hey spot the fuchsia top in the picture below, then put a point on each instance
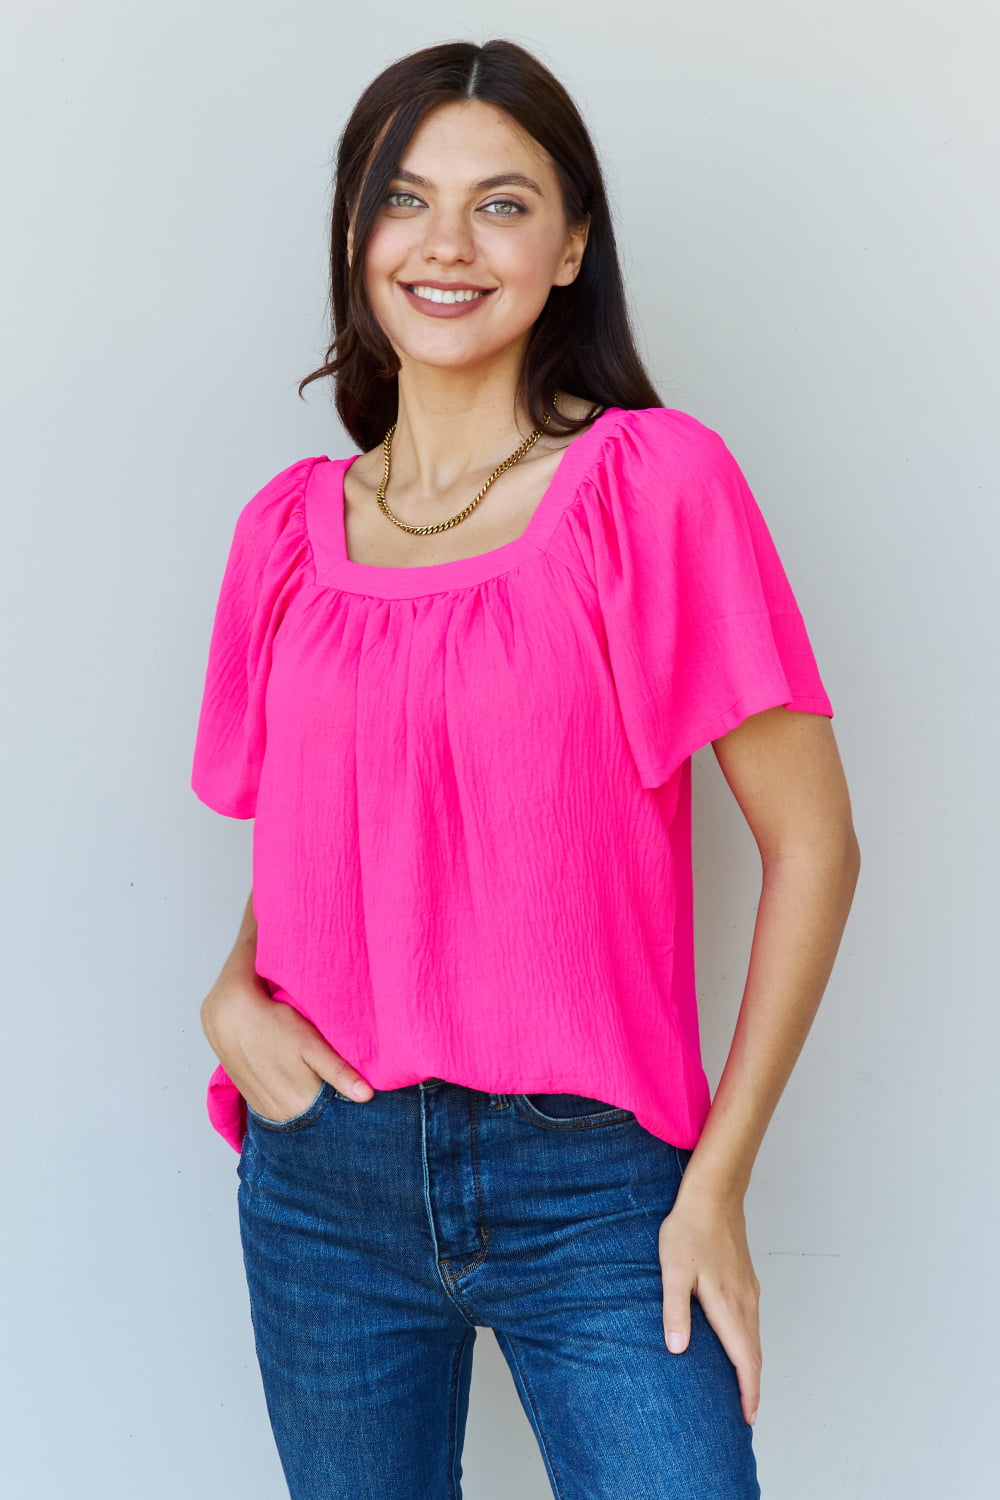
(471, 781)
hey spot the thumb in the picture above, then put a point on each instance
(329, 1064)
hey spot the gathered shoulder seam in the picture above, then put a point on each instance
(558, 557)
(302, 513)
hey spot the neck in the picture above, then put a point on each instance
(455, 423)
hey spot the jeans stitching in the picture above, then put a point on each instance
(554, 1475)
(297, 1122)
(528, 1111)
(454, 1488)
(476, 1178)
(455, 1276)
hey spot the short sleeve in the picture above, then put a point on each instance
(268, 562)
(703, 628)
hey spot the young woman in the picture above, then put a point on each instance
(457, 680)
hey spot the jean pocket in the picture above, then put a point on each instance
(297, 1122)
(569, 1111)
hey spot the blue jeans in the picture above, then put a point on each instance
(378, 1236)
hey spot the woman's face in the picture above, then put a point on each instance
(475, 209)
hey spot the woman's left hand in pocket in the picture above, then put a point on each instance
(703, 1252)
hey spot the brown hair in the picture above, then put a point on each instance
(582, 341)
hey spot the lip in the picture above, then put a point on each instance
(445, 309)
(448, 286)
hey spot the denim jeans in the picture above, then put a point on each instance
(378, 1236)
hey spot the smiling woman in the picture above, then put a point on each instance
(463, 723)
(405, 170)
(520, 244)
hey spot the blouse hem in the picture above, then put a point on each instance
(661, 772)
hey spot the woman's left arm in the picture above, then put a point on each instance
(785, 772)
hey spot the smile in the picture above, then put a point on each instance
(435, 294)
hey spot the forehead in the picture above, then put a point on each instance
(473, 139)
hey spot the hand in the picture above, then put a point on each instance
(276, 1058)
(703, 1251)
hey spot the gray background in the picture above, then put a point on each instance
(808, 212)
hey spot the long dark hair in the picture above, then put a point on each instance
(582, 341)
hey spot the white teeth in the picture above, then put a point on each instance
(435, 294)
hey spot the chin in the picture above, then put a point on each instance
(413, 356)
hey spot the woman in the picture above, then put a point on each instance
(458, 680)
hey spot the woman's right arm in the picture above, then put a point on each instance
(276, 1058)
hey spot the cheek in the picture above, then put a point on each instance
(378, 289)
(531, 263)
(387, 250)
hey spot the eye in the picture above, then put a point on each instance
(410, 197)
(507, 208)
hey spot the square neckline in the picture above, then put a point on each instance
(409, 580)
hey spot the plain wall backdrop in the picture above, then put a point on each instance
(807, 209)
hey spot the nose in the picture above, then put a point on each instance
(448, 237)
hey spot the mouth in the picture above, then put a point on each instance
(447, 296)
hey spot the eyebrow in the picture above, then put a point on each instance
(502, 179)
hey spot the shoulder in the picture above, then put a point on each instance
(281, 494)
(664, 441)
(662, 495)
(277, 508)
(661, 467)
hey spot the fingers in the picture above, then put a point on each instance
(734, 1319)
(275, 1056)
(330, 1066)
(704, 1254)
(676, 1310)
(736, 1323)
(745, 1355)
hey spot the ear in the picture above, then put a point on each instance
(350, 243)
(576, 244)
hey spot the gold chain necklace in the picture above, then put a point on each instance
(444, 525)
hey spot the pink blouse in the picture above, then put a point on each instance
(471, 781)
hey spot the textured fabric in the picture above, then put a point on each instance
(471, 781)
